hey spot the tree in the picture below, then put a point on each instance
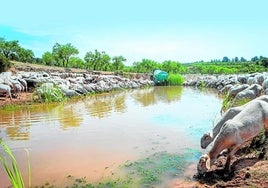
(47, 58)
(63, 53)
(242, 59)
(118, 62)
(255, 59)
(146, 65)
(9, 49)
(76, 62)
(4, 63)
(106, 64)
(171, 66)
(225, 59)
(264, 62)
(26, 55)
(236, 59)
(92, 59)
(97, 60)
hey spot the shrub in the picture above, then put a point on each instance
(4, 63)
(175, 79)
(48, 92)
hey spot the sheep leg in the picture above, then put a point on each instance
(227, 167)
(10, 96)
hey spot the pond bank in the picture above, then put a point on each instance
(24, 79)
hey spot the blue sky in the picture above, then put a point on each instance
(181, 30)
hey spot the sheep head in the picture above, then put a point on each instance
(205, 140)
(203, 164)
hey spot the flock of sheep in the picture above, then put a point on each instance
(237, 87)
(71, 84)
(238, 124)
(12, 85)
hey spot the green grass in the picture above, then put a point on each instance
(229, 102)
(175, 79)
(48, 93)
(12, 169)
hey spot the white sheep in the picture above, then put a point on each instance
(206, 139)
(6, 89)
(235, 132)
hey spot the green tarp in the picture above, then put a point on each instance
(160, 76)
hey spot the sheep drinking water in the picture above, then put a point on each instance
(235, 132)
(206, 139)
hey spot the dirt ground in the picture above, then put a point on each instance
(23, 99)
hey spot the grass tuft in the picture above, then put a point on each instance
(48, 92)
(12, 170)
(175, 80)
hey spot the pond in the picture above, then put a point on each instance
(148, 136)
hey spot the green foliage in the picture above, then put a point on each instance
(223, 67)
(13, 51)
(4, 63)
(48, 92)
(12, 171)
(145, 66)
(26, 55)
(76, 62)
(175, 79)
(172, 67)
(264, 62)
(63, 52)
(97, 61)
(63, 55)
(47, 58)
(118, 62)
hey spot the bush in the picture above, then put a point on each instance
(175, 80)
(4, 63)
(48, 92)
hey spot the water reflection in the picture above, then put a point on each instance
(103, 105)
(151, 96)
(69, 115)
(18, 124)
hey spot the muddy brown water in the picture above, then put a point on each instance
(93, 136)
